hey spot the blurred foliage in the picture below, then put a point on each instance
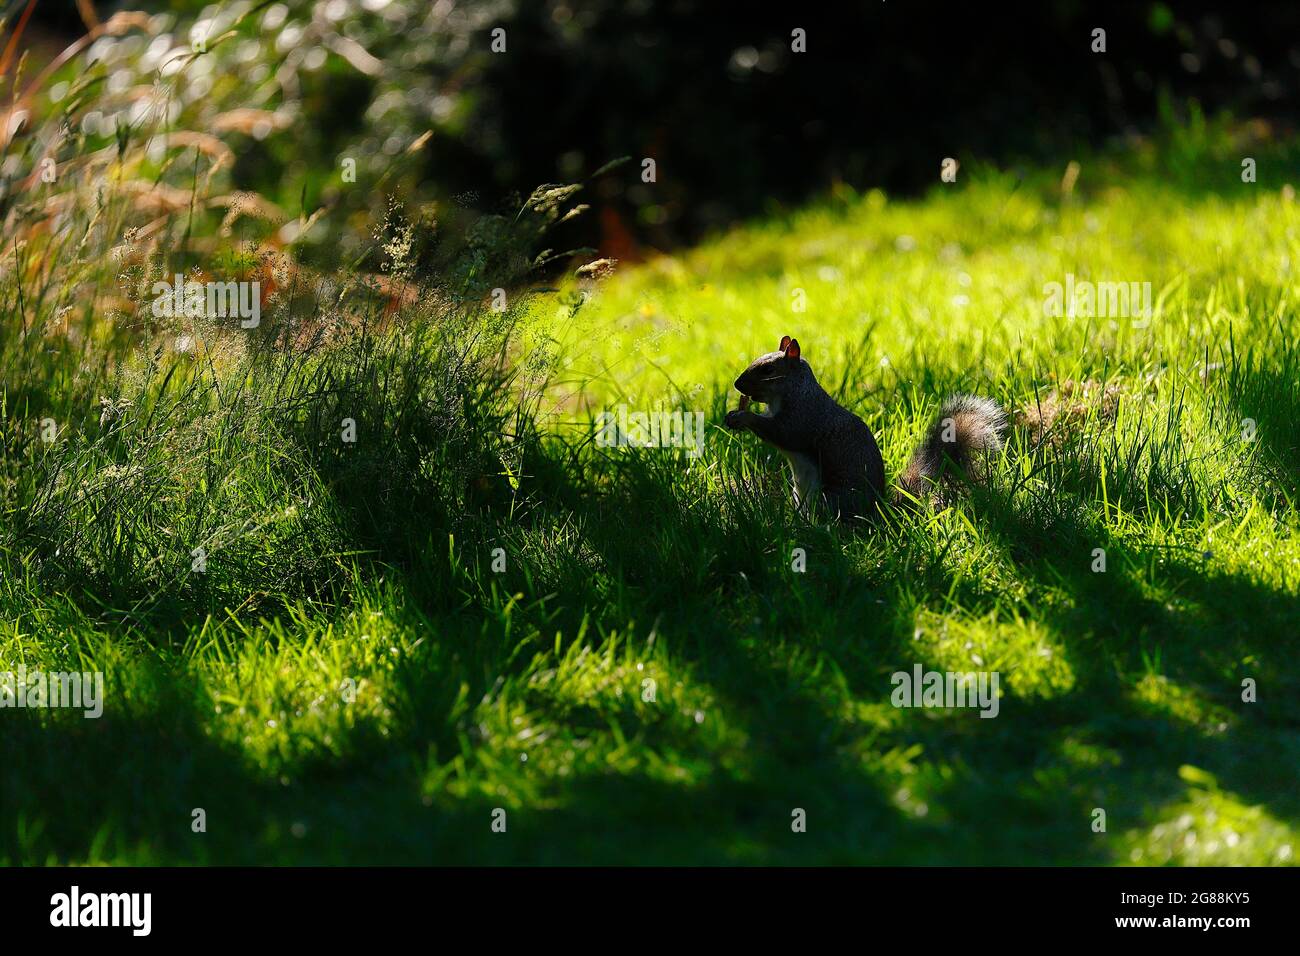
(734, 118)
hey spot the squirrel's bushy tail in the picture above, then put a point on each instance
(968, 428)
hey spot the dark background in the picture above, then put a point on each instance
(737, 122)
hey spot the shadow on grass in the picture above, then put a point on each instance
(798, 664)
(1159, 615)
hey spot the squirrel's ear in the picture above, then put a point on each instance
(785, 343)
(792, 350)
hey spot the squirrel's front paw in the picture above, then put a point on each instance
(736, 419)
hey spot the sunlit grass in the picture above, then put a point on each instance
(648, 679)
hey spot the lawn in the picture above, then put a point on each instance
(474, 635)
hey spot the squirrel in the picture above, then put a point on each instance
(834, 459)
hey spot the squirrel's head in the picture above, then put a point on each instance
(774, 376)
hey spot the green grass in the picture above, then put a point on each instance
(649, 681)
